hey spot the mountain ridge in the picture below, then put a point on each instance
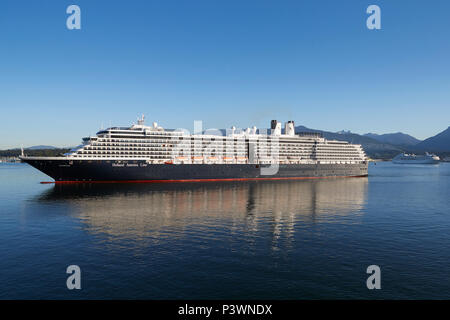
(438, 143)
(396, 139)
(40, 147)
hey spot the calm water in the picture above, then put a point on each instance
(262, 240)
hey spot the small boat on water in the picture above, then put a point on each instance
(405, 158)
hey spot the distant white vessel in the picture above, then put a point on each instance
(405, 158)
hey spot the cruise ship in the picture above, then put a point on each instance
(142, 153)
(405, 158)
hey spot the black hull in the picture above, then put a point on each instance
(138, 170)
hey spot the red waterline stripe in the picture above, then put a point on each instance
(197, 180)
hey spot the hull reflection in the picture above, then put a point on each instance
(156, 210)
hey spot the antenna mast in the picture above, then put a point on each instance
(141, 120)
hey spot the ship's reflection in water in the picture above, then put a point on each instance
(154, 212)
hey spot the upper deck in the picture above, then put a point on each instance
(158, 145)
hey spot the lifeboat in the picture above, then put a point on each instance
(168, 162)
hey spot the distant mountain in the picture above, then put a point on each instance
(438, 143)
(395, 139)
(344, 132)
(40, 148)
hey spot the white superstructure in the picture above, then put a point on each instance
(158, 145)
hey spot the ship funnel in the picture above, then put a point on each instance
(289, 128)
(275, 126)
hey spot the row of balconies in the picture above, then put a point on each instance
(170, 143)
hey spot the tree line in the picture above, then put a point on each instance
(34, 153)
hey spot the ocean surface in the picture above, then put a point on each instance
(308, 239)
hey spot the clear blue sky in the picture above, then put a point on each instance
(227, 63)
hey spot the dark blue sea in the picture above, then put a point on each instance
(309, 239)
